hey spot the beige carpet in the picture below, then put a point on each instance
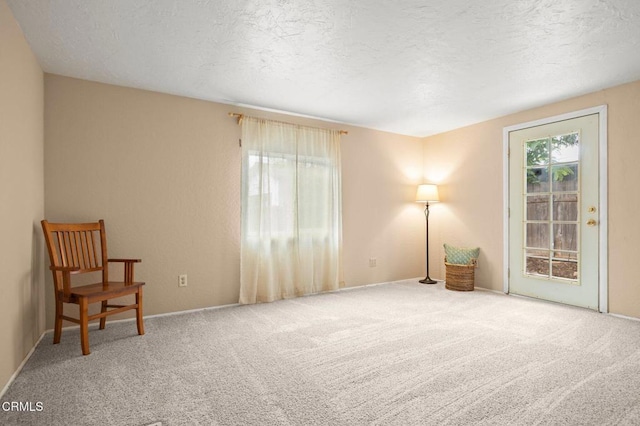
(394, 354)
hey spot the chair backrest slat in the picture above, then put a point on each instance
(63, 255)
(94, 251)
(67, 248)
(86, 249)
(73, 237)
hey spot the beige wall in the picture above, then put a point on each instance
(467, 162)
(164, 173)
(21, 196)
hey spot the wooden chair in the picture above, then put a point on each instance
(78, 248)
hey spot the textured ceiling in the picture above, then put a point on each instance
(410, 67)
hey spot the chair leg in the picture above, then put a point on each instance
(84, 325)
(103, 320)
(57, 332)
(139, 320)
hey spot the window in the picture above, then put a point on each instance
(291, 210)
(277, 191)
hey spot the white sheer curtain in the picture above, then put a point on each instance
(291, 211)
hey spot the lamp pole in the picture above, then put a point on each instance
(427, 193)
(427, 279)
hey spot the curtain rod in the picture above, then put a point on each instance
(241, 116)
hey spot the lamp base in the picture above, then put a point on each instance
(428, 281)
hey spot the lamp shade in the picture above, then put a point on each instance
(427, 193)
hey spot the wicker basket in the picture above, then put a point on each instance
(460, 277)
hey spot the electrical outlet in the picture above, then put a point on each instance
(182, 280)
(373, 262)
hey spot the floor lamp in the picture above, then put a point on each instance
(426, 194)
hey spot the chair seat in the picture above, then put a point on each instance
(103, 291)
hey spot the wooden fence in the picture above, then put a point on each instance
(563, 208)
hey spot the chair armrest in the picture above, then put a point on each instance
(128, 267)
(66, 277)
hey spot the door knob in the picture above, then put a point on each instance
(591, 222)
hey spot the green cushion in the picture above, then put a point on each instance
(460, 255)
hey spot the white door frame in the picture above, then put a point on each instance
(603, 246)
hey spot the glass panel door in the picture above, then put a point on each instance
(553, 221)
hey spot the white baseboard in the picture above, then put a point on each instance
(21, 366)
(166, 314)
(374, 284)
(491, 291)
(623, 316)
